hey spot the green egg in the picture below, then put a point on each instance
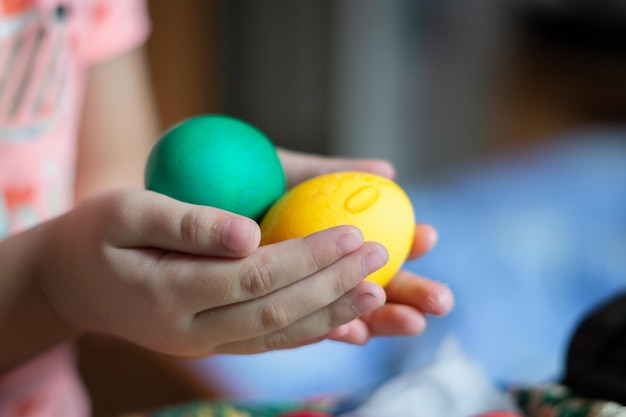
(217, 161)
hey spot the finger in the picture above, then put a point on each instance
(410, 298)
(364, 298)
(278, 265)
(205, 283)
(395, 320)
(423, 294)
(301, 166)
(312, 297)
(164, 223)
(355, 332)
(425, 239)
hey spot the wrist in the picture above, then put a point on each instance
(28, 322)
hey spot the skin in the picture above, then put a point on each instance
(188, 280)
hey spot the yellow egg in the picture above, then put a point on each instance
(376, 205)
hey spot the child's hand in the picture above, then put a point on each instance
(409, 297)
(301, 166)
(190, 280)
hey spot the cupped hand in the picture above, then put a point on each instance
(190, 280)
(301, 166)
(410, 299)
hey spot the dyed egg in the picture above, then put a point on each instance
(217, 161)
(376, 205)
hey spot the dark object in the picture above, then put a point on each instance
(596, 357)
(598, 25)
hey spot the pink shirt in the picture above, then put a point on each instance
(46, 46)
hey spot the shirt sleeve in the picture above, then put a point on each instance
(117, 26)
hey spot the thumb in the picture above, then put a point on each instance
(158, 221)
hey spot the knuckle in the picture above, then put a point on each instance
(258, 280)
(191, 228)
(341, 313)
(276, 341)
(314, 262)
(274, 316)
(317, 258)
(344, 281)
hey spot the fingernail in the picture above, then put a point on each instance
(374, 260)
(366, 302)
(350, 241)
(239, 234)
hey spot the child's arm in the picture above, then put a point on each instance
(120, 124)
(118, 128)
(177, 278)
(181, 279)
(28, 324)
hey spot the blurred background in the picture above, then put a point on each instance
(424, 83)
(431, 85)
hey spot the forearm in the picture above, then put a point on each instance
(28, 324)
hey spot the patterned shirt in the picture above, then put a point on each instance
(46, 46)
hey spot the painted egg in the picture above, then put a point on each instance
(217, 161)
(376, 205)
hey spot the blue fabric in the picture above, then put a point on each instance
(528, 243)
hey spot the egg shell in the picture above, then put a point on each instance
(376, 205)
(217, 161)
